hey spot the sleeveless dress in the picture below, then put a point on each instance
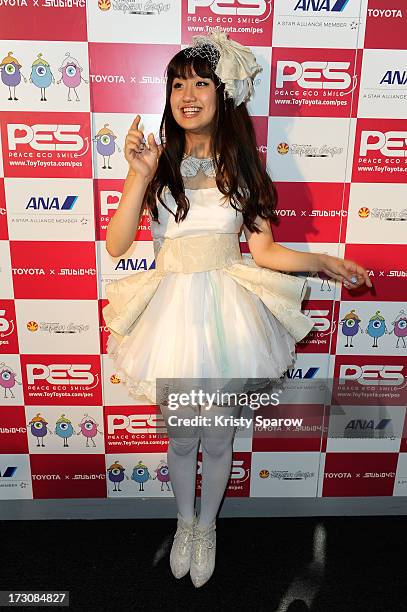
(231, 319)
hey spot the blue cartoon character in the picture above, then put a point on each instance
(41, 75)
(350, 326)
(39, 428)
(163, 474)
(376, 327)
(116, 475)
(7, 379)
(64, 429)
(11, 74)
(71, 75)
(141, 475)
(105, 144)
(400, 328)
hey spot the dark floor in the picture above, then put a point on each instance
(358, 563)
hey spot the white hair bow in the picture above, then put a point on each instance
(236, 67)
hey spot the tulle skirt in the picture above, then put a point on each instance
(203, 326)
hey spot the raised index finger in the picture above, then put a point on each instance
(135, 122)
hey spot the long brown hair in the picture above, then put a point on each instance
(240, 175)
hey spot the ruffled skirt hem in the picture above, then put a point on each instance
(239, 323)
(140, 390)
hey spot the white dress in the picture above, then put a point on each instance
(203, 325)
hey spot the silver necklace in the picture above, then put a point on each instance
(190, 166)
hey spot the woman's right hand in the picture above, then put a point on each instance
(142, 160)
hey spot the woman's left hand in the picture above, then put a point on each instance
(345, 270)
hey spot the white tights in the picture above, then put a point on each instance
(216, 442)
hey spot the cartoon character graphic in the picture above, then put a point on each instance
(41, 75)
(11, 74)
(350, 326)
(325, 280)
(116, 475)
(71, 75)
(141, 475)
(376, 327)
(89, 428)
(64, 429)
(39, 428)
(105, 144)
(163, 474)
(322, 277)
(400, 328)
(8, 379)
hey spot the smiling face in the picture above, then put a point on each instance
(193, 103)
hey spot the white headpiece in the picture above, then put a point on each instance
(233, 63)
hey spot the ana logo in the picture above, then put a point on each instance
(45, 138)
(394, 77)
(303, 375)
(52, 203)
(314, 75)
(333, 6)
(134, 264)
(234, 7)
(8, 472)
(372, 374)
(364, 424)
(392, 144)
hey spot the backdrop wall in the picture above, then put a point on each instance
(330, 119)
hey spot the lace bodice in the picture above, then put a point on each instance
(208, 213)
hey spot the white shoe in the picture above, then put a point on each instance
(203, 554)
(180, 556)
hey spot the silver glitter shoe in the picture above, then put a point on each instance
(180, 556)
(203, 554)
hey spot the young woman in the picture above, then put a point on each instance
(205, 313)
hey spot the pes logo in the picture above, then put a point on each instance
(230, 7)
(35, 147)
(250, 22)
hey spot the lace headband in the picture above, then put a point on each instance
(234, 64)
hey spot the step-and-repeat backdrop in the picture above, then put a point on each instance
(330, 119)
